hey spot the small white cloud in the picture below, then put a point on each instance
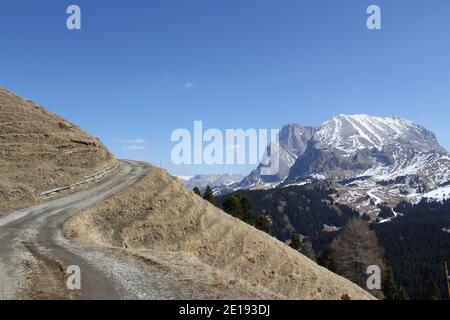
(133, 144)
(134, 147)
(135, 141)
(189, 85)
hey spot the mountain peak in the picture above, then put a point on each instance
(292, 126)
(350, 133)
(360, 117)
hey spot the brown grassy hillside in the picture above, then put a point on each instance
(40, 151)
(161, 221)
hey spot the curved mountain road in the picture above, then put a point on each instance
(34, 255)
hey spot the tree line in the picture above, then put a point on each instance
(238, 206)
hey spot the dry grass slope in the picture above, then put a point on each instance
(40, 151)
(159, 220)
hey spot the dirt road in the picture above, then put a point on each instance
(34, 255)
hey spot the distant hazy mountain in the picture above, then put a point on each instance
(213, 180)
(372, 160)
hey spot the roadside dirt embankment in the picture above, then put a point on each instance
(163, 223)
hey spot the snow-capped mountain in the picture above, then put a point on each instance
(371, 160)
(360, 145)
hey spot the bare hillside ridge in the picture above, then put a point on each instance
(40, 151)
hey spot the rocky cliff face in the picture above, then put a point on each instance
(293, 142)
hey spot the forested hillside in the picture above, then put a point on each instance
(416, 245)
(306, 210)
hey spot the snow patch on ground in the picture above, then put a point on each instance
(439, 194)
(302, 183)
(371, 194)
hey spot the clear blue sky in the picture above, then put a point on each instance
(251, 63)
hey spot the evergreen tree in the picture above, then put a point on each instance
(325, 259)
(262, 223)
(388, 285)
(403, 294)
(240, 207)
(246, 211)
(307, 250)
(432, 291)
(208, 195)
(197, 191)
(233, 205)
(295, 241)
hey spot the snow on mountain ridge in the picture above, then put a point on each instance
(350, 133)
